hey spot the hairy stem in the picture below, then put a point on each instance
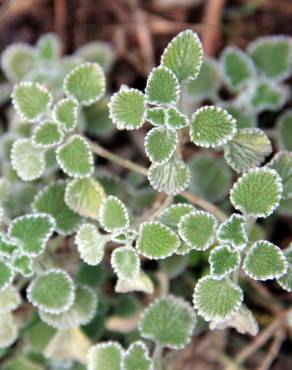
(157, 356)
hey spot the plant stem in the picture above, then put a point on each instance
(157, 355)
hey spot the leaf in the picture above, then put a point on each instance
(75, 157)
(8, 330)
(7, 246)
(265, 261)
(198, 229)
(238, 69)
(9, 299)
(128, 109)
(172, 215)
(80, 313)
(85, 196)
(66, 114)
(85, 83)
(113, 214)
(126, 263)
(176, 120)
(49, 47)
(47, 135)
(21, 362)
(32, 231)
(171, 177)
(285, 281)
(242, 114)
(27, 160)
(248, 149)
(233, 232)
(257, 193)
(31, 100)
(162, 87)
(156, 241)
(156, 116)
(216, 299)
(105, 356)
(282, 163)
(160, 144)
(211, 127)
(223, 260)
(272, 56)
(173, 266)
(97, 52)
(183, 56)
(6, 274)
(284, 130)
(141, 284)
(168, 321)
(90, 244)
(50, 200)
(23, 264)
(52, 291)
(137, 357)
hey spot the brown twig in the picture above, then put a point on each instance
(60, 19)
(273, 351)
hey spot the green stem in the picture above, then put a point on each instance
(157, 357)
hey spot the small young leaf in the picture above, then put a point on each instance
(168, 321)
(9, 299)
(66, 114)
(156, 116)
(137, 357)
(162, 87)
(128, 109)
(6, 274)
(90, 244)
(142, 284)
(27, 160)
(75, 157)
(265, 261)
(217, 300)
(85, 83)
(184, 55)
(23, 265)
(160, 144)
(113, 215)
(198, 229)
(52, 291)
(7, 246)
(286, 280)
(156, 241)
(172, 215)
(85, 197)
(211, 127)
(282, 163)
(175, 120)
(47, 135)
(247, 149)
(49, 47)
(126, 263)
(257, 193)
(32, 231)
(284, 126)
(233, 232)
(105, 356)
(8, 330)
(31, 100)
(223, 260)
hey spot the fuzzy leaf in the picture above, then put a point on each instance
(156, 241)
(6, 274)
(211, 127)
(156, 116)
(286, 280)
(168, 321)
(137, 357)
(126, 263)
(245, 118)
(142, 284)
(52, 291)
(198, 229)
(247, 149)
(223, 260)
(216, 299)
(66, 114)
(172, 215)
(160, 144)
(85, 196)
(175, 120)
(113, 215)
(184, 55)
(265, 261)
(23, 265)
(8, 330)
(75, 157)
(48, 47)
(282, 163)
(47, 135)
(85, 83)
(284, 126)
(233, 231)
(9, 299)
(7, 246)
(257, 193)
(105, 356)
(128, 109)
(97, 52)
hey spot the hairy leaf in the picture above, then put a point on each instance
(105, 356)
(172, 215)
(284, 127)
(156, 116)
(23, 264)
(233, 232)
(66, 114)
(126, 263)
(286, 280)
(137, 357)
(176, 120)
(6, 274)
(282, 163)
(223, 260)
(113, 214)
(46, 135)
(160, 144)
(8, 330)
(9, 299)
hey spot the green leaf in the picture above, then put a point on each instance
(31, 100)
(272, 56)
(282, 163)
(97, 52)
(173, 266)
(198, 229)
(223, 260)
(113, 215)
(90, 244)
(211, 127)
(156, 241)
(23, 264)
(52, 291)
(162, 87)
(286, 280)
(85, 196)
(171, 177)
(75, 157)
(156, 116)
(27, 160)
(238, 69)
(168, 321)
(172, 215)
(7, 246)
(265, 261)
(184, 55)
(248, 149)
(284, 130)
(47, 135)
(175, 120)
(105, 356)
(8, 330)
(137, 357)
(85, 83)
(257, 193)
(128, 109)
(50, 200)
(9, 299)
(141, 284)
(80, 313)
(242, 114)
(233, 232)
(66, 114)
(6, 274)
(49, 47)
(126, 263)
(160, 144)
(216, 299)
